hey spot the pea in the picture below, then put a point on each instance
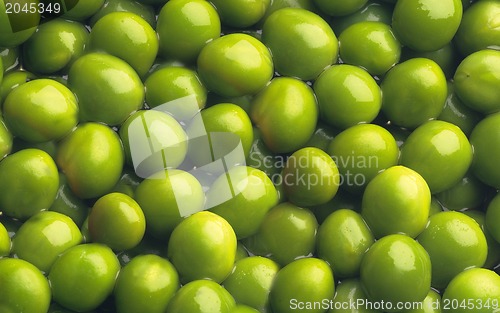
(477, 284)
(5, 140)
(476, 32)
(475, 80)
(29, 183)
(285, 129)
(198, 295)
(483, 140)
(242, 13)
(310, 177)
(405, 262)
(376, 37)
(33, 294)
(396, 201)
(41, 110)
(147, 282)
(108, 89)
(360, 152)
(375, 11)
(89, 269)
(343, 238)
(425, 25)
(165, 202)
(55, 46)
(5, 242)
(197, 257)
(302, 282)
(293, 46)
(55, 234)
(445, 148)
(288, 232)
(91, 150)
(180, 35)
(350, 291)
(235, 65)
(251, 280)
(347, 95)
(414, 92)
(117, 221)
(454, 243)
(139, 51)
(253, 195)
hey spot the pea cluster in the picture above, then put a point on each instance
(272, 156)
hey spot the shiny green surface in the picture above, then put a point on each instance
(5, 140)
(376, 37)
(288, 232)
(475, 290)
(375, 11)
(342, 240)
(347, 95)
(302, 43)
(350, 291)
(396, 201)
(143, 10)
(202, 246)
(89, 269)
(310, 177)
(440, 152)
(303, 280)
(286, 113)
(251, 280)
(235, 65)
(476, 80)
(165, 136)
(414, 92)
(478, 29)
(254, 196)
(25, 289)
(145, 284)
(5, 242)
(426, 25)
(201, 296)
(41, 110)
(170, 83)
(362, 151)
(396, 269)
(484, 139)
(493, 217)
(117, 221)
(55, 46)
(166, 197)
(28, 183)
(241, 13)
(108, 89)
(454, 242)
(43, 237)
(91, 150)
(127, 36)
(184, 27)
